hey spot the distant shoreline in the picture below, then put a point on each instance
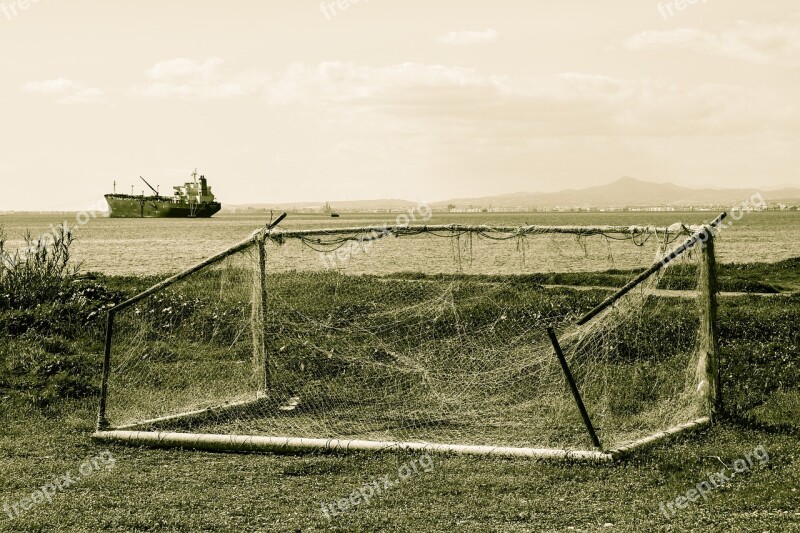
(466, 211)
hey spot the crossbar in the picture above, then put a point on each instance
(462, 228)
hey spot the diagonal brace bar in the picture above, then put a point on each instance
(571, 380)
(245, 244)
(703, 235)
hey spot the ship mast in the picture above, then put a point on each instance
(192, 197)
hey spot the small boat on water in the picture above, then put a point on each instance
(329, 210)
(193, 199)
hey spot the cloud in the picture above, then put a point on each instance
(463, 103)
(464, 38)
(84, 96)
(201, 80)
(56, 86)
(429, 118)
(763, 44)
(68, 91)
(341, 82)
(424, 99)
(171, 69)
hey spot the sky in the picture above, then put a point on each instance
(296, 100)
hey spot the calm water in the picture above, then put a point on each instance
(160, 246)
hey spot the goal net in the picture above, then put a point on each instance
(431, 337)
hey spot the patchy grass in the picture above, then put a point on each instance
(157, 490)
(763, 278)
(783, 275)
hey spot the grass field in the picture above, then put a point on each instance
(152, 490)
(45, 436)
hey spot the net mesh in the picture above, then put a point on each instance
(426, 337)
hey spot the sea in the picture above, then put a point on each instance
(154, 247)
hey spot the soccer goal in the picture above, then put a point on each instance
(581, 343)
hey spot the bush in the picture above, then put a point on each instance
(38, 273)
(50, 321)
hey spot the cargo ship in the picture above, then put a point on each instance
(193, 199)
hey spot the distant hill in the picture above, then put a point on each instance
(625, 192)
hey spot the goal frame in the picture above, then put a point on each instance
(135, 435)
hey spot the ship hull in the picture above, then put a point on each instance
(124, 206)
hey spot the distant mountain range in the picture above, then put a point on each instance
(625, 192)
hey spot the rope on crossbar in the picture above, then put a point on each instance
(332, 239)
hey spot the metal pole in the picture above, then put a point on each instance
(709, 334)
(262, 263)
(102, 421)
(575, 393)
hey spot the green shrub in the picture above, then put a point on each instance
(38, 273)
(74, 311)
(50, 320)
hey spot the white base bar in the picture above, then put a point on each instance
(249, 443)
(697, 424)
(252, 443)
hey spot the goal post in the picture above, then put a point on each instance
(707, 299)
(435, 338)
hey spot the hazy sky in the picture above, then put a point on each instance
(293, 100)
